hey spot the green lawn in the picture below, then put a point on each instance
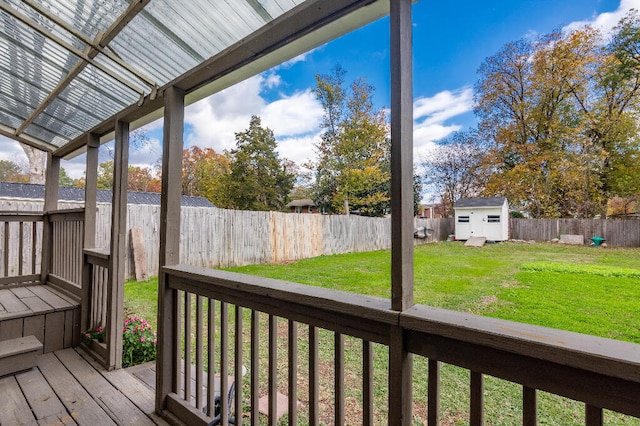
(498, 280)
(584, 289)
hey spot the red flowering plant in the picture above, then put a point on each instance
(138, 342)
(97, 334)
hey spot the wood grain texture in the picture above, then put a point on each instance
(102, 391)
(47, 407)
(71, 393)
(14, 408)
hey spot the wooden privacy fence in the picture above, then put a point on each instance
(619, 233)
(213, 237)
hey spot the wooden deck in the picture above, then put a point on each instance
(68, 388)
(50, 315)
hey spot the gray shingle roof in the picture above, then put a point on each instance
(301, 203)
(31, 191)
(480, 202)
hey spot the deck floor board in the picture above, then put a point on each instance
(67, 388)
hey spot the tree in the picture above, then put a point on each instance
(11, 172)
(203, 170)
(139, 179)
(142, 179)
(454, 168)
(560, 113)
(64, 179)
(105, 175)
(258, 178)
(352, 170)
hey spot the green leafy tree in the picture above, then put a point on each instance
(259, 179)
(352, 168)
(11, 172)
(64, 179)
(105, 175)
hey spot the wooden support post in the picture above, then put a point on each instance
(90, 206)
(115, 300)
(50, 203)
(169, 242)
(400, 361)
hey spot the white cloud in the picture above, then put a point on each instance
(298, 149)
(11, 151)
(607, 20)
(294, 118)
(430, 115)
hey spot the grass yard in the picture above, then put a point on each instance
(583, 289)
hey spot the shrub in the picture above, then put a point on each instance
(138, 341)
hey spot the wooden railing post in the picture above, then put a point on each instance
(169, 242)
(50, 203)
(90, 205)
(400, 360)
(115, 301)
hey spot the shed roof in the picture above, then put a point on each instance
(303, 202)
(480, 202)
(72, 67)
(29, 191)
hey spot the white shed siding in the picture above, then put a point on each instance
(491, 222)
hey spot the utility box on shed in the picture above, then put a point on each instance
(482, 217)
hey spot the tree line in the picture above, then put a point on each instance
(557, 126)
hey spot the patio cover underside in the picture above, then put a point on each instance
(73, 67)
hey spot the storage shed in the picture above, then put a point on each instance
(482, 217)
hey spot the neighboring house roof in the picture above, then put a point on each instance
(480, 202)
(30, 191)
(301, 203)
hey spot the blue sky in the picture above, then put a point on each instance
(449, 44)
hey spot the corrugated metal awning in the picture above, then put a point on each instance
(68, 65)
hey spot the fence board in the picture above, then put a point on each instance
(213, 237)
(617, 232)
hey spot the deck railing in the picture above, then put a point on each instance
(599, 373)
(96, 296)
(67, 239)
(20, 242)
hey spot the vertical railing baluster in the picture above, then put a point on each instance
(34, 248)
(199, 351)
(187, 347)
(433, 393)
(339, 378)
(477, 399)
(293, 373)
(367, 382)
(255, 369)
(177, 361)
(224, 363)
(273, 370)
(20, 246)
(314, 396)
(7, 237)
(238, 367)
(593, 416)
(211, 367)
(529, 407)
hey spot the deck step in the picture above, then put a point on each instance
(19, 354)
